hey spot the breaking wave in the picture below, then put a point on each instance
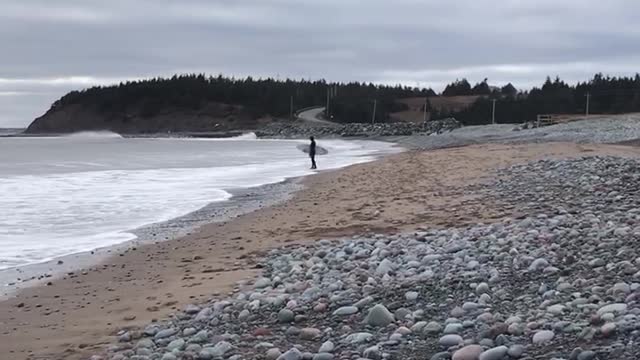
(103, 134)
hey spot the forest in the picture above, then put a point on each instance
(348, 102)
(354, 102)
(606, 95)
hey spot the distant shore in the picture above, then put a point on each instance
(185, 134)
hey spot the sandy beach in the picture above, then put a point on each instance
(77, 315)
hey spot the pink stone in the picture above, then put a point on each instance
(469, 352)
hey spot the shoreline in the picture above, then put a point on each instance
(79, 314)
(242, 201)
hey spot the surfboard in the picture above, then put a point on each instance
(319, 149)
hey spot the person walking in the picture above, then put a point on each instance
(312, 153)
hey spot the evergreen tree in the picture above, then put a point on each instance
(261, 97)
(509, 90)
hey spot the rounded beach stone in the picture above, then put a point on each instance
(326, 347)
(515, 351)
(495, 353)
(451, 340)
(273, 354)
(543, 336)
(286, 316)
(469, 352)
(379, 316)
(346, 310)
(323, 356)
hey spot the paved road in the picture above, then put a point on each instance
(313, 116)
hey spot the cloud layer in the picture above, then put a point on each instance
(52, 47)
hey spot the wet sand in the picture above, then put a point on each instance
(78, 314)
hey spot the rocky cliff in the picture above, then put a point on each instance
(136, 120)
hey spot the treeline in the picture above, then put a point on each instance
(464, 88)
(350, 102)
(606, 95)
(354, 102)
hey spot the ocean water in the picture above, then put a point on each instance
(70, 194)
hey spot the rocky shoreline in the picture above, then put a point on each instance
(303, 130)
(561, 282)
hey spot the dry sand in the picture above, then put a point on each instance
(78, 314)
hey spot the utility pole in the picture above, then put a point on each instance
(373, 117)
(291, 108)
(326, 110)
(493, 112)
(426, 102)
(587, 110)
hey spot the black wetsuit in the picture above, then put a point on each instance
(312, 154)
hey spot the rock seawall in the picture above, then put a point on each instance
(300, 130)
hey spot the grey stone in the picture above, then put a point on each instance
(273, 354)
(176, 344)
(165, 333)
(587, 355)
(496, 353)
(379, 316)
(219, 350)
(450, 340)
(292, 354)
(441, 356)
(432, 328)
(357, 338)
(204, 314)
(192, 309)
(619, 309)
(189, 331)
(326, 347)
(262, 283)
(286, 316)
(372, 352)
(543, 336)
(310, 333)
(323, 356)
(453, 328)
(346, 310)
(515, 351)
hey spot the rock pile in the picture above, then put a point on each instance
(562, 282)
(296, 130)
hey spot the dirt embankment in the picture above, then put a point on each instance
(415, 111)
(209, 117)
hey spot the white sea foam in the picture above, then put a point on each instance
(245, 136)
(102, 134)
(62, 197)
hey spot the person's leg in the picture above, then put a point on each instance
(313, 162)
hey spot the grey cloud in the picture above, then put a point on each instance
(430, 42)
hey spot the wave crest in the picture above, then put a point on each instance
(103, 134)
(245, 136)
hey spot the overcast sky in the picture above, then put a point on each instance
(49, 47)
